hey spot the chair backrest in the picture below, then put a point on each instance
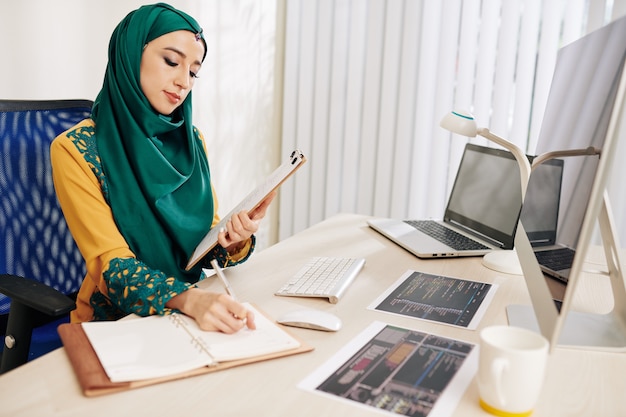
(35, 240)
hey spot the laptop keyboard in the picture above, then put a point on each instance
(447, 236)
(556, 259)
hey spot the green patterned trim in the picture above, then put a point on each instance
(223, 257)
(135, 288)
(84, 138)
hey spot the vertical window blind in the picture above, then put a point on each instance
(366, 83)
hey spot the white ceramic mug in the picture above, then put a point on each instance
(511, 370)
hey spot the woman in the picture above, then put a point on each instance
(134, 183)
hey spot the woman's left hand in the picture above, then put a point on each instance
(242, 225)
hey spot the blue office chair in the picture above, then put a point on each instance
(41, 268)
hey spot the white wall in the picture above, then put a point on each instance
(57, 49)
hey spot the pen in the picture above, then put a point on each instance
(222, 277)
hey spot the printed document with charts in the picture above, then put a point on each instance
(146, 350)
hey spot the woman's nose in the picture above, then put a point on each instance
(183, 80)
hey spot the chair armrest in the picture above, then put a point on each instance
(32, 304)
(36, 295)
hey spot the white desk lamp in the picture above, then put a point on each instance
(463, 123)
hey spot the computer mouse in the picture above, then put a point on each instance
(311, 319)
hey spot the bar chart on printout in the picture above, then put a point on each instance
(398, 371)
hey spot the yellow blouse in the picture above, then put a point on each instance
(116, 283)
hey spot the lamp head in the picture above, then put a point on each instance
(460, 122)
(463, 123)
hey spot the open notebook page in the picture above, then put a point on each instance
(157, 346)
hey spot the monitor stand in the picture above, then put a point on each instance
(572, 328)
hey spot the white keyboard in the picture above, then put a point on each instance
(323, 277)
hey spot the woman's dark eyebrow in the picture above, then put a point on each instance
(179, 52)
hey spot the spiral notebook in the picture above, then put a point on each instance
(119, 355)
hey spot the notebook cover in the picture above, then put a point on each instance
(94, 381)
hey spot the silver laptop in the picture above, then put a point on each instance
(481, 214)
(540, 217)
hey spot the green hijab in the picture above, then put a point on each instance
(156, 168)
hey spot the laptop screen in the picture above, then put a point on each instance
(540, 214)
(486, 196)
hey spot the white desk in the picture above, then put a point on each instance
(578, 383)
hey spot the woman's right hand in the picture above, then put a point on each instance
(213, 311)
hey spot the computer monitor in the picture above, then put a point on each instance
(584, 108)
